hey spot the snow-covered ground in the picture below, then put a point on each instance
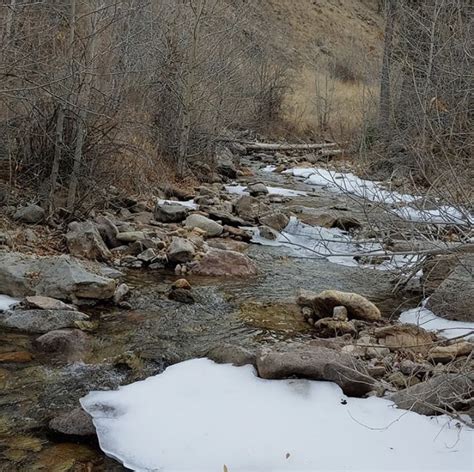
(7, 302)
(285, 192)
(203, 417)
(405, 205)
(426, 319)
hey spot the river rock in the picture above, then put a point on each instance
(181, 295)
(445, 354)
(317, 363)
(47, 303)
(72, 344)
(180, 250)
(330, 327)
(84, 240)
(217, 262)
(454, 298)
(445, 391)
(108, 231)
(32, 214)
(131, 236)
(225, 217)
(182, 283)
(210, 227)
(170, 213)
(267, 233)
(238, 233)
(40, 321)
(256, 189)
(276, 221)
(411, 337)
(73, 423)
(232, 354)
(324, 303)
(62, 277)
(225, 162)
(250, 208)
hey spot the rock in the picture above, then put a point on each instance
(232, 354)
(357, 306)
(340, 313)
(454, 298)
(210, 227)
(73, 423)
(5, 239)
(445, 392)
(182, 283)
(60, 277)
(354, 350)
(238, 233)
(47, 303)
(256, 189)
(225, 162)
(276, 221)
(267, 233)
(445, 354)
(84, 240)
(108, 231)
(40, 321)
(409, 367)
(32, 214)
(72, 344)
(329, 328)
(121, 292)
(250, 208)
(397, 337)
(181, 295)
(170, 213)
(147, 255)
(317, 363)
(228, 244)
(218, 262)
(20, 357)
(398, 380)
(131, 236)
(180, 250)
(226, 218)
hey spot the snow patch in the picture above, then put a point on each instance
(188, 203)
(7, 302)
(284, 192)
(268, 168)
(199, 416)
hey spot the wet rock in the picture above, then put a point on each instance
(84, 240)
(267, 233)
(40, 321)
(317, 363)
(250, 208)
(120, 293)
(454, 298)
(170, 213)
(218, 262)
(72, 344)
(73, 423)
(181, 295)
(329, 328)
(257, 188)
(47, 303)
(182, 283)
(180, 250)
(276, 221)
(131, 236)
(32, 214)
(232, 354)
(445, 354)
(210, 227)
(446, 391)
(60, 277)
(17, 356)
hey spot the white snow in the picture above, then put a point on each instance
(186, 203)
(285, 192)
(268, 168)
(7, 302)
(426, 319)
(348, 183)
(199, 416)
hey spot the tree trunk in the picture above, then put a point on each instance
(58, 144)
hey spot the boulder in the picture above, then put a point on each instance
(108, 231)
(225, 162)
(210, 227)
(62, 277)
(219, 262)
(225, 217)
(256, 189)
(47, 303)
(411, 337)
(454, 298)
(180, 250)
(131, 236)
(71, 344)
(181, 283)
(232, 354)
(317, 363)
(276, 221)
(40, 321)
(32, 214)
(445, 354)
(250, 208)
(73, 423)
(238, 233)
(267, 233)
(445, 392)
(84, 240)
(170, 213)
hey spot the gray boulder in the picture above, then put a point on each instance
(250, 208)
(73, 423)
(276, 221)
(84, 240)
(40, 321)
(180, 250)
(71, 344)
(108, 231)
(32, 214)
(47, 303)
(169, 213)
(317, 363)
(226, 218)
(62, 277)
(218, 262)
(257, 188)
(211, 227)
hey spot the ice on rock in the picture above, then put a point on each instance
(199, 416)
(7, 302)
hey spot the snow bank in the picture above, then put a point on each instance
(268, 168)
(425, 318)
(7, 302)
(285, 192)
(200, 416)
(187, 203)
